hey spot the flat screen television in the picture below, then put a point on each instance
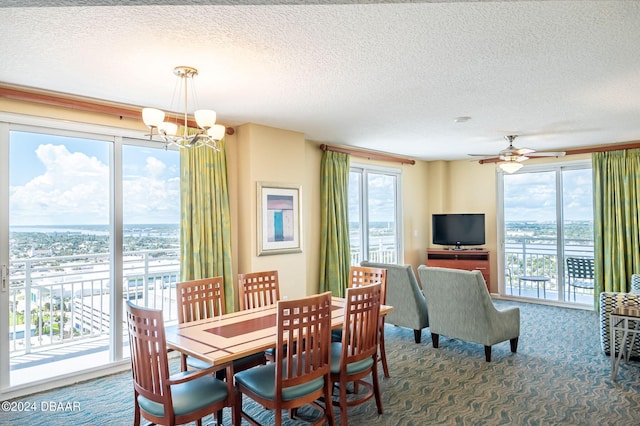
(458, 229)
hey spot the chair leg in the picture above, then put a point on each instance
(183, 362)
(514, 344)
(383, 353)
(376, 388)
(343, 404)
(417, 335)
(328, 410)
(136, 412)
(435, 339)
(487, 353)
(237, 409)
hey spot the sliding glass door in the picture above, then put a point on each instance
(88, 222)
(547, 215)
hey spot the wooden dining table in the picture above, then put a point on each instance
(228, 337)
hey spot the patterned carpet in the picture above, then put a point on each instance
(559, 376)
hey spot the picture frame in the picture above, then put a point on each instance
(279, 218)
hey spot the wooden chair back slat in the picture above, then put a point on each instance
(257, 289)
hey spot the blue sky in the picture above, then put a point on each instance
(532, 196)
(57, 180)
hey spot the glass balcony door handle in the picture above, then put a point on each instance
(3, 272)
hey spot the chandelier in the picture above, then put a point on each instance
(209, 133)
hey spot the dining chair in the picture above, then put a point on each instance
(363, 276)
(167, 399)
(203, 299)
(356, 356)
(300, 376)
(258, 289)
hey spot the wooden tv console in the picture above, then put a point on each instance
(469, 260)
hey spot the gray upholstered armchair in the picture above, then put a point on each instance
(609, 301)
(405, 295)
(460, 307)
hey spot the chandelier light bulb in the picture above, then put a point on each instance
(152, 117)
(168, 128)
(217, 132)
(205, 118)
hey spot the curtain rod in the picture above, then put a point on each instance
(371, 155)
(586, 150)
(44, 97)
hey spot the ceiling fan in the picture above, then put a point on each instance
(512, 154)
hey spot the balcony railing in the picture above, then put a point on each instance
(538, 257)
(68, 298)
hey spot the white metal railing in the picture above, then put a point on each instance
(376, 254)
(539, 256)
(66, 298)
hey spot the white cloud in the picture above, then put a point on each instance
(74, 190)
(155, 167)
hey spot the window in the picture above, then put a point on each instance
(374, 214)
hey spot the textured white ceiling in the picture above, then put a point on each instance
(384, 76)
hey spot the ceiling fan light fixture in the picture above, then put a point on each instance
(510, 166)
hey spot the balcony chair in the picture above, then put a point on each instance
(362, 276)
(580, 273)
(201, 299)
(163, 399)
(609, 301)
(356, 356)
(460, 307)
(404, 293)
(258, 289)
(297, 377)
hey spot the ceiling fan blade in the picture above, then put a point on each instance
(524, 151)
(547, 154)
(522, 158)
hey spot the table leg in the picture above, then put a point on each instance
(612, 339)
(623, 345)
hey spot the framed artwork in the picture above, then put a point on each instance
(279, 218)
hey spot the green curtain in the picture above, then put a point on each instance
(616, 180)
(335, 253)
(205, 226)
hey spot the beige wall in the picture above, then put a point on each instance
(265, 154)
(466, 187)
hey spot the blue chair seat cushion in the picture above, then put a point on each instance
(261, 380)
(189, 396)
(354, 367)
(336, 335)
(238, 365)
